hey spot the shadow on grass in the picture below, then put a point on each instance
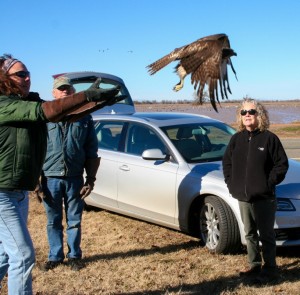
(287, 273)
(222, 285)
(143, 252)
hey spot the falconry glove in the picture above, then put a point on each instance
(94, 93)
(82, 103)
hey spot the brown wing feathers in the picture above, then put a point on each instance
(206, 60)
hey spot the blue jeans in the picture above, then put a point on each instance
(59, 191)
(17, 255)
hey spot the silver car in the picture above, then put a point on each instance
(166, 168)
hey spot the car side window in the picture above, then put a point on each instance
(141, 138)
(109, 134)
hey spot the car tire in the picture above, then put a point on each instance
(219, 230)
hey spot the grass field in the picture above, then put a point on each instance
(126, 256)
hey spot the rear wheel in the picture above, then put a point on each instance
(219, 230)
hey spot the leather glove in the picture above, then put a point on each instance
(94, 93)
(87, 188)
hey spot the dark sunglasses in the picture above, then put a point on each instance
(21, 74)
(64, 87)
(250, 112)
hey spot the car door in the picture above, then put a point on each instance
(106, 187)
(146, 187)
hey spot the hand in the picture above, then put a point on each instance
(86, 190)
(94, 93)
(37, 193)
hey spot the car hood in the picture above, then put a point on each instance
(289, 188)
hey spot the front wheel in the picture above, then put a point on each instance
(219, 230)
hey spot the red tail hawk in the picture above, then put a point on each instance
(206, 60)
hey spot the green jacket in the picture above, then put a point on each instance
(23, 141)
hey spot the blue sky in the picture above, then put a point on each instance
(122, 37)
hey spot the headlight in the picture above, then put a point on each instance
(285, 205)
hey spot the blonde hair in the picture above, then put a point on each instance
(262, 115)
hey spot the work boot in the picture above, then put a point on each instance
(48, 265)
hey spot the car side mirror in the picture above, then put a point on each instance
(154, 154)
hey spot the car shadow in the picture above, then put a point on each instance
(143, 252)
(222, 285)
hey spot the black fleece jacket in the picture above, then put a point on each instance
(253, 164)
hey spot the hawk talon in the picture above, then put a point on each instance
(177, 87)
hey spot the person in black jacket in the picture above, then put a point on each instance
(253, 164)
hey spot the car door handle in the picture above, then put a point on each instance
(124, 168)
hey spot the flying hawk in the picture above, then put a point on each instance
(206, 60)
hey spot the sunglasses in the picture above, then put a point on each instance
(64, 87)
(21, 74)
(250, 112)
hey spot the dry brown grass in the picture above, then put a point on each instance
(286, 130)
(126, 256)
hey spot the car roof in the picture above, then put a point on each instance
(73, 76)
(159, 118)
(124, 107)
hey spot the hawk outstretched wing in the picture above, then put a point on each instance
(206, 60)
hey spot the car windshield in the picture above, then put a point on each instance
(205, 142)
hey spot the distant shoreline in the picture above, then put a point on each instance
(284, 115)
(280, 112)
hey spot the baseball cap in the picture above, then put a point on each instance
(60, 81)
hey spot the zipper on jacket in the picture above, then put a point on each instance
(64, 126)
(249, 142)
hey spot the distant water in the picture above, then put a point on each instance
(279, 114)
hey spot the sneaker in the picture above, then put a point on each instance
(254, 270)
(48, 265)
(76, 264)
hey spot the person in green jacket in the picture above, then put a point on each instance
(23, 144)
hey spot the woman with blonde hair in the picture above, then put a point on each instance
(253, 164)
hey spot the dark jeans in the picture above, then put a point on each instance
(258, 218)
(58, 191)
